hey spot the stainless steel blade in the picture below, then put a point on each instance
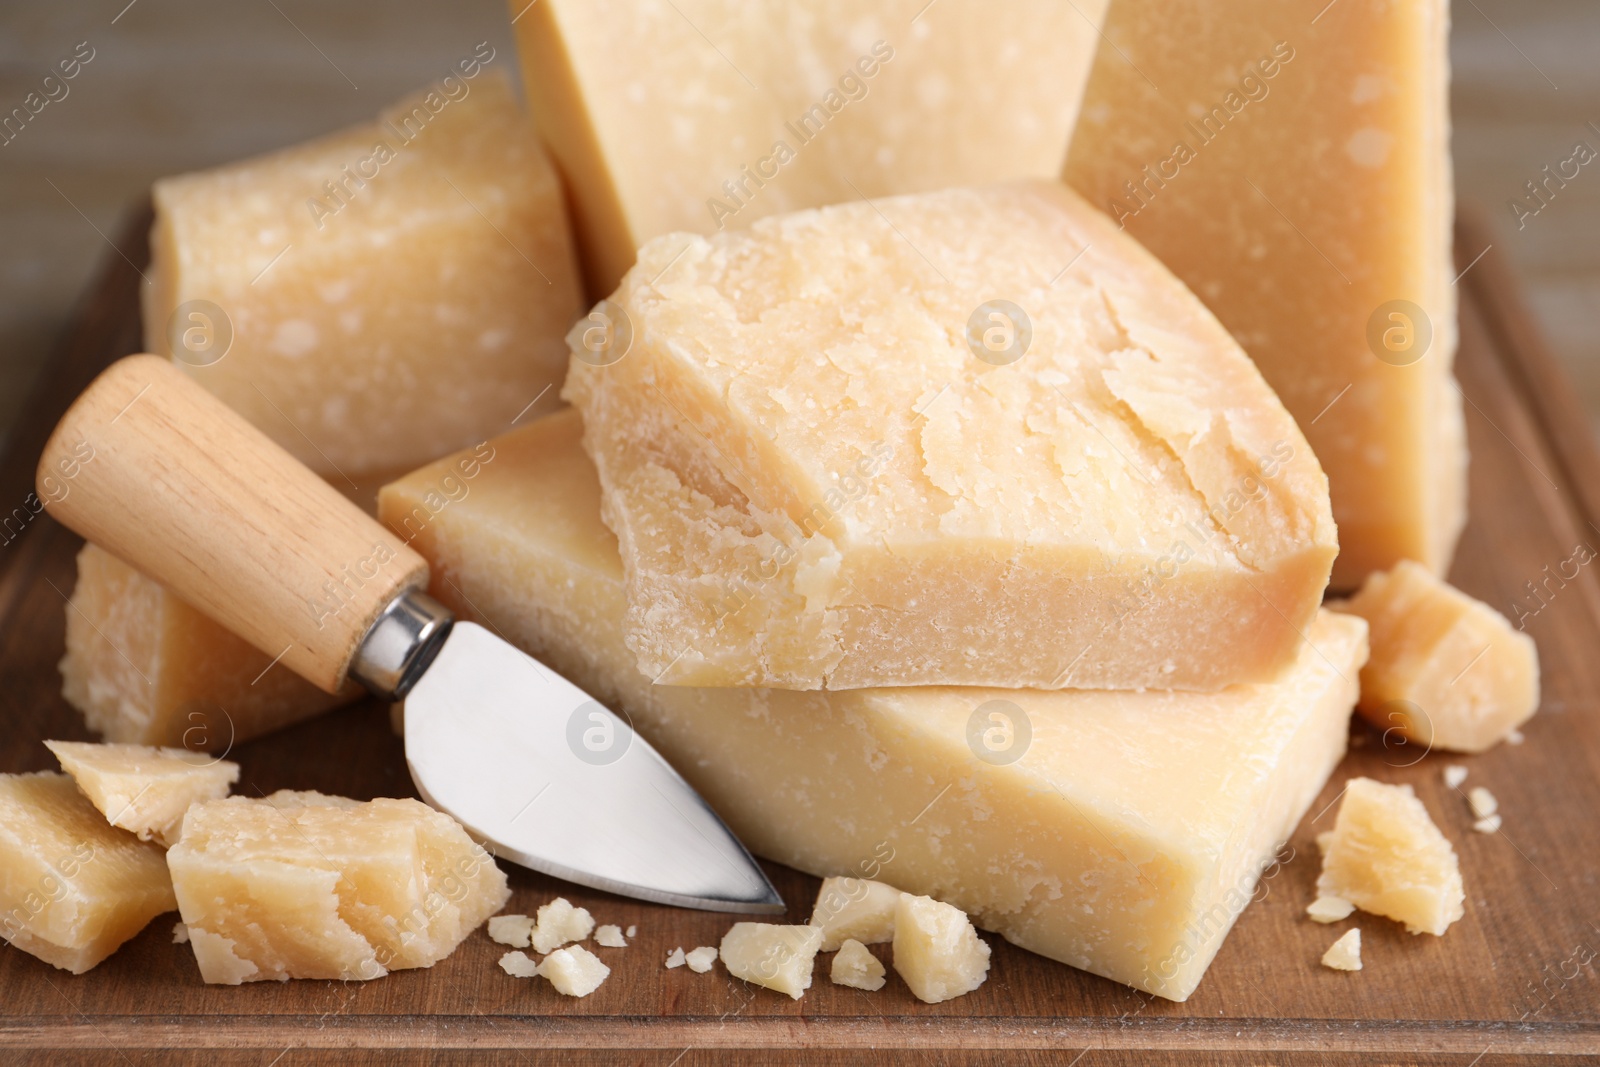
(545, 776)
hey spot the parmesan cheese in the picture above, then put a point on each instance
(513, 930)
(778, 957)
(519, 965)
(560, 923)
(854, 908)
(574, 971)
(1385, 856)
(1345, 953)
(855, 966)
(144, 790)
(700, 959)
(936, 950)
(609, 936)
(1329, 909)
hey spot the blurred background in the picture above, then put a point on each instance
(178, 84)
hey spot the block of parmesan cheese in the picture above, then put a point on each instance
(146, 668)
(1293, 167)
(73, 887)
(701, 115)
(822, 473)
(1446, 670)
(301, 885)
(379, 296)
(1125, 838)
(142, 789)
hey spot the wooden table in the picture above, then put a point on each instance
(1514, 981)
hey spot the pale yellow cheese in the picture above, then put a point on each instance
(559, 923)
(393, 291)
(145, 790)
(699, 115)
(1446, 670)
(817, 481)
(1291, 163)
(778, 957)
(146, 668)
(73, 887)
(1345, 953)
(854, 909)
(1125, 840)
(855, 966)
(574, 971)
(936, 950)
(1385, 856)
(300, 885)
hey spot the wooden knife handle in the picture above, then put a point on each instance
(154, 469)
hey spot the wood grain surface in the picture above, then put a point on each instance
(1514, 981)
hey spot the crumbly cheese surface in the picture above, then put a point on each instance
(854, 908)
(560, 923)
(855, 966)
(1386, 856)
(778, 957)
(143, 789)
(936, 949)
(574, 971)
(1345, 953)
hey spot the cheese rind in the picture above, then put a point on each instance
(854, 908)
(73, 888)
(778, 957)
(1386, 856)
(817, 483)
(937, 950)
(1297, 178)
(301, 885)
(141, 789)
(393, 291)
(774, 109)
(1446, 670)
(1125, 840)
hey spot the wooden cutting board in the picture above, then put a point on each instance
(1518, 978)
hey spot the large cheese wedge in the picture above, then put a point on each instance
(970, 437)
(73, 887)
(380, 296)
(146, 668)
(701, 115)
(1118, 832)
(1292, 165)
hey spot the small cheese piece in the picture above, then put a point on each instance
(560, 923)
(1446, 670)
(145, 790)
(1293, 168)
(513, 930)
(377, 297)
(1386, 856)
(700, 959)
(146, 668)
(1329, 909)
(73, 887)
(1454, 775)
(518, 965)
(1125, 839)
(821, 475)
(609, 936)
(301, 885)
(180, 934)
(675, 959)
(791, 106)
(854, 908)
(778, 957)
(936, 950)
(632, 931)
(574, 971)
(1482, 802)
(1345, 953)
(1487, 825)
(855, 966)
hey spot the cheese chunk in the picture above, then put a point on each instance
(778, 957)
(1293, 168)
(1345, 953)
(1446, 670)
(1125, 840)
(146, 668)
(936, 950)
(816, 482)
(1387, 857)
(855, 966)
(854, 908)
(300, 885)
(609, 936)
(145, 790)
(699, 115)
(700, 959)
(73, 887)
(513, 930)
(559, 923)
(519, 965)
(391, 292)
(574, 971)
(1329, 909)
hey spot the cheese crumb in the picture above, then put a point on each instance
(1515, 737)
(676, 958)
(1487, 825)
(609, 936)
(560, 923)
(574, 971)
(854, 908)
(1454, 775)
(518, 965)
(1329, 909)
(1345, 953)
(936, 949)
(855, 966)
(631, 931)
(1482, 802)
(513, 930)
(778, 957)
(180, 934)
(701, 959)
(1386, 856)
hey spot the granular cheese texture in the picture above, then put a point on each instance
(519, 965)
(700, 959)
(560, 923)
(675, 959)
(609, 936)
(1345, 953)
(1386, 856)
(73, 887)
(854, 908)
(301, 885)
(855, 966)
(936, 949)
(145, 790)
(574, 971)
(1446, 670)
(778, 957)
(513, 930)
(822, 473)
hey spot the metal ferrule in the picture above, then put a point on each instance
(400, 644)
